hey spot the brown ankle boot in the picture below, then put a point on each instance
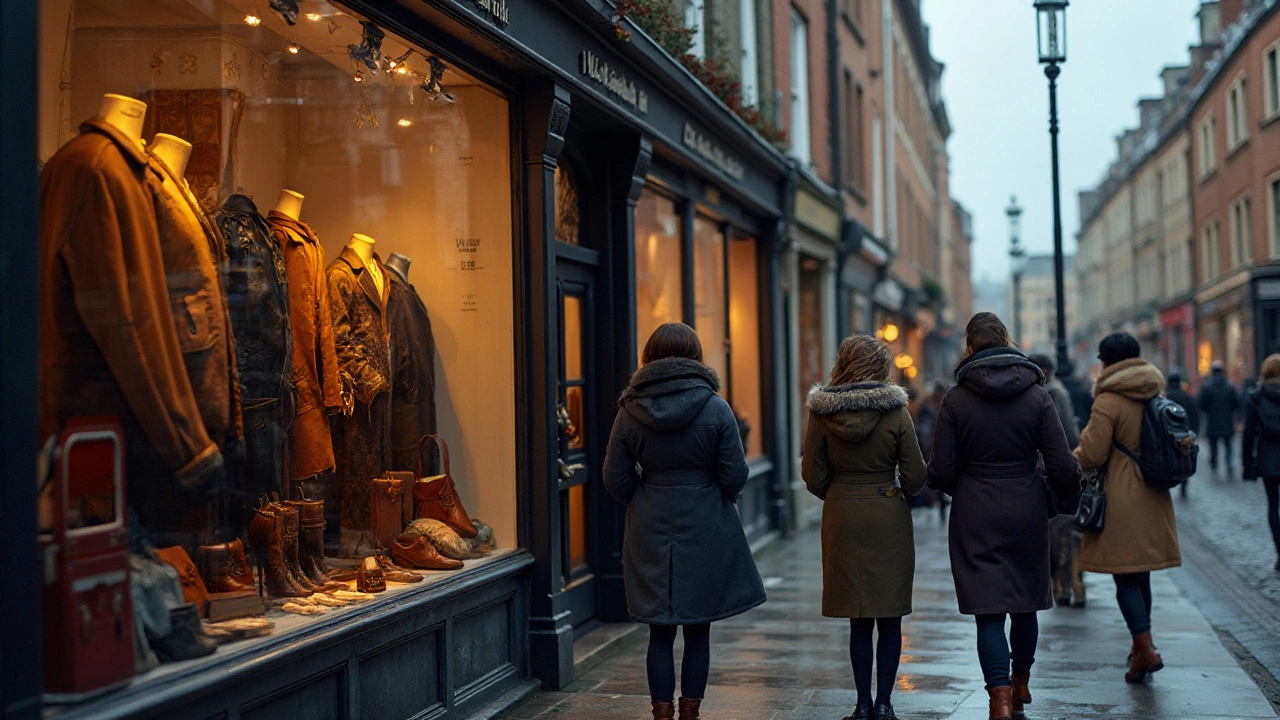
(1020, 692)
(663, 710)
(437, 498)
(689, 708)
(223, 567)
(1143, 660)
(265, 539)
(1000, 703)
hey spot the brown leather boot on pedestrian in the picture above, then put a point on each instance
(1020, 692)
(689, 708)
(663, 710)
(1143, 660)
(1000, 703)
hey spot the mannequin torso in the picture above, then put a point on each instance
(363, 246)
(124, 114)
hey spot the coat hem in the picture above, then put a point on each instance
(697, 621)
(1127, 569)
(864, 616)
(1003, 610)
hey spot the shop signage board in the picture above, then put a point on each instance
(708, 150)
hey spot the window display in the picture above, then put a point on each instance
(230, 205)
(658, 276)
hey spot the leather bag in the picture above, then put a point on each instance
(387, 506)
(1092, 514)
(193, 588)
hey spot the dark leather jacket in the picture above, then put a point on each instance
(413, 388)
(361, 334)
(258, 299)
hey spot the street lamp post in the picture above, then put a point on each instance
(1016, 256)
(1051, 40)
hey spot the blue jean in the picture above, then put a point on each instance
(1213, 451)
(1133, 593)
(995, 651)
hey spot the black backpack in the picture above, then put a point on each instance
(1168, 449)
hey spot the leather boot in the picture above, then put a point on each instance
(1000, 703)
(1021, 693)
(1144, 659)
(186, 638)
(223, 567)
(289, 546)
(311, 539)
(663, 710)
(438, 500)
(689, 708)
(396, 573)
(265, 539)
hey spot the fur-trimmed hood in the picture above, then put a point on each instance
(1134, 378)
(668, 394)
(999, 373)
(853, 411)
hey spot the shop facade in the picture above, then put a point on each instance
(560, 193)
(1224, 327)
(1177, 341)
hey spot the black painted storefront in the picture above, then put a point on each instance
(449, 650)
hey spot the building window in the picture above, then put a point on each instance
(851, 130)
(1271, 77)
(1208, 153)
(1273, 197)
(1241, 250)
(800, 88)
(695, 20)
(750, 59)
(1237, 115)
(1212, 256)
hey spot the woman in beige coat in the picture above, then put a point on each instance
(1139, 534)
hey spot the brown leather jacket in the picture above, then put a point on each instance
(117, 313)
(315, 363)
(361, 331)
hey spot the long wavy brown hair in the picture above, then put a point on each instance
(985, 331)
(862, 358)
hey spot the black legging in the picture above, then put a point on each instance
(1133, 593)
(1272, 485)
(994, 652)
(661, 663)
(888, 652)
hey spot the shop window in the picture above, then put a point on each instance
(568, 204)
(711, 316)
(744, 342)
(812, 369)
(658, 280)
(295, 171)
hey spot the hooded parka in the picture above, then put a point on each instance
(1139, 533)
(990, 427)
(861, 457)
(1260, 444)
(685, 558)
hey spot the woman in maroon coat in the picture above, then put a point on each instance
(990, 427)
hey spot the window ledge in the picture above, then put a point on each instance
(1206, 177)
(1268, 120)
(854, 28)
(1237, 148)
(856, 192)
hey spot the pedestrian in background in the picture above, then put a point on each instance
(685, 558)
(1064, 537)
(1175, 391)
(860, 438)
(1140, 533)
(926, 419)
(1260, 446)
(992, 425)
(1220, 403)
(1081, 398)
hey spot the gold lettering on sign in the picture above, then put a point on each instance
(497, 9)
(713, 153)
(613, 80)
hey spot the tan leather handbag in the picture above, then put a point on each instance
(388, 503)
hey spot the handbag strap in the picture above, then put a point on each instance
(444, 453)
(1128, 453)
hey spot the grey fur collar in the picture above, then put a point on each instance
(666, 370)
(879, 397)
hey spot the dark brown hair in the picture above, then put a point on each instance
(672, 340)
(1271, 367)
(985, 331)
(862, 358)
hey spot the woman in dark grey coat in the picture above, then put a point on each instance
(1261, 443)
(675, 459)
(990, 427)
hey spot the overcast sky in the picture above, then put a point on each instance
(998, 104)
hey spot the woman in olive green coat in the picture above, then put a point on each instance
(860, 456)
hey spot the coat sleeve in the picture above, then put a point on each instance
(1095, 441)
(327, 366)
(814, 465)
(369, 383)
(1060, 465)
(1249, 441)
(944, 467)
(731, 459)
(910, 459)
(118, 280)
(620, 476)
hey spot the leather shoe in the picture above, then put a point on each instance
(1143, 660)
(663, 710)
(186, 639)
(1000, 703)
(689, 708)
(395, 573)
(861, 712)
(423, 555)
(884, 712)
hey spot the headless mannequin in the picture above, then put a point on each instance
(290, 204)
(363, 246)
(124, 114)
(173, 151)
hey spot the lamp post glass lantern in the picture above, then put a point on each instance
(1051, 39)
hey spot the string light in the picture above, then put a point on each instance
(252, 20)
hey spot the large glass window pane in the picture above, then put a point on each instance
(709, 294)
(658, 278)
(812, 348)
(744, 340)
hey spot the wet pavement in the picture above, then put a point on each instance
(783, 661)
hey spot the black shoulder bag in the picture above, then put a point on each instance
(1092, 513)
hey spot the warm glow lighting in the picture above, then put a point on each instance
(910, 372)
(404, 122)
(903, 361)
(358, 77)
(402, 70)
(293, 49)
(889, 332)
(252, 20)
(314, 17)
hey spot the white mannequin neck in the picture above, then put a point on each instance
(124, 114)
(290, 204)
(173, 151)
(363, 245)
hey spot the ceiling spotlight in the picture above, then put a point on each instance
(252, 20)
(404, 122)
(293, 48)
